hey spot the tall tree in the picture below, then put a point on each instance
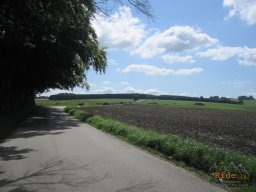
(45, 44)
(48, 44)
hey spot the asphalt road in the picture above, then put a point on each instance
(51, 151)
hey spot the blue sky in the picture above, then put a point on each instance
(194, 48)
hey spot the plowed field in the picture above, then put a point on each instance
(234, 129)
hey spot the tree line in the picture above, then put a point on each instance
(137, 96)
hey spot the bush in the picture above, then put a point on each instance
(105, 103)
(152, 103)
(82, 116)
(199, 104)
(67, 109)
(81, 104)
(72, 111)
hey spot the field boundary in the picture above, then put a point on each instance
(192, 153)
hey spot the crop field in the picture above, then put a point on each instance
(248, 105)
(87, 102)
(233, 129)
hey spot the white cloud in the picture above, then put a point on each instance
(58, 91)
(236, 84)
(54, 92)
(243, 55)
(152, 70)
(245, 9)
(92, 85)
(221, 53)
(168, 58)
(120, 31)
(145, 91)
(183, 94)
(173, 40)
(105, 82)
(113, 62)
(131, 90)
(248, 57)
(105, 90)
(251, 92)
(111, 90)
(124, 82)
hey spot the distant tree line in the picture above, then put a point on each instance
(136, 96)
(244, 97)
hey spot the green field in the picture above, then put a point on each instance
(87, 102)
(248, 105)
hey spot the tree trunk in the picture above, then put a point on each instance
(14, 97)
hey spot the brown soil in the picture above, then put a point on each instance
(229, 128)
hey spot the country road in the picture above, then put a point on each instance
(52, 152)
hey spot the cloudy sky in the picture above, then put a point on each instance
(194, 48)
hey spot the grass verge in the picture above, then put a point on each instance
(9, 122)
(192, 153)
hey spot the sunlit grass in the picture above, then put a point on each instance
(87, 102)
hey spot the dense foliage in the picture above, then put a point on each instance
(245, 97)
(45, 44)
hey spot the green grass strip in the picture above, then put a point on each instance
(195, 154)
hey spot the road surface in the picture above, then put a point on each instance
(53, 152)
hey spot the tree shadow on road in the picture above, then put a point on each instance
(21, 189)
(45, 121)
(50, 176)
(143, 186)
(55, 175)
(13, 153)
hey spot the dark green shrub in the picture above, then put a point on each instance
(67, 109)
(105, 103)
(82, 116)
(199, 104)
(72, 111)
